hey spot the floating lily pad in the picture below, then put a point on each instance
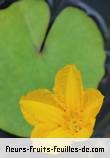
(73, 38)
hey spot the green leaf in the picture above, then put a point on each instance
(74, 38)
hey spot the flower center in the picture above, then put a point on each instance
(75, 125)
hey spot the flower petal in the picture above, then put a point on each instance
(93, 101)
(42, 130)
(44, 96)
(68, 87)
(35, 111)
(83, 133)
(59, 133)
(86, 130)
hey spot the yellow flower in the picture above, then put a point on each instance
(68, 112)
